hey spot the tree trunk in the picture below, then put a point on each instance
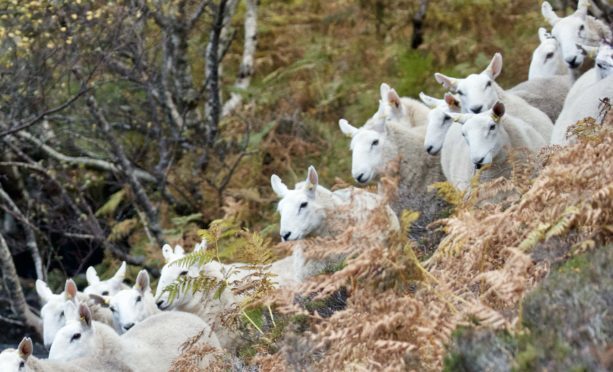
(418, 23)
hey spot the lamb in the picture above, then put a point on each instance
(151, 345)
(575, 30)
(52, 312)
(312, 210)
(375, 146)
(488, 135)
(547, 58)
(132, 306)
(584, 105)
(202, 304)
(22, 360)
(479, 92)
(105, 287)
(439, 120)
(405, 110)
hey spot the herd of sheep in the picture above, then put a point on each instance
(112, 327)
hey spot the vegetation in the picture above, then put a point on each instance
(112, 146)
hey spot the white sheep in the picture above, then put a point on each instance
(604, 60)
(546, 94)
(151, 345)
(405, 110)
(22, 360)
(479, 92)
(584, 105)
(575, 30)
(489, 136)
(52, 311)
(375, 146)
(439, 120)
(133, 305)
(105, 287)
(547, 60)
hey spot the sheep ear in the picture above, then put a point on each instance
(498, 111)
(25, 348)
(449, 83)
(346, 128)
(429, 101)
(495, 67)
(179, 251)
(167, 252)
(543, 36)
(121, 273)
(100, 300)
(311, 182)
(452, 102)
(591, 51)
(70, 290)
(549, 14)
(85, 316)
(43, 291)
(582, 7)
(384, 90)
(278, 186)
(142, 281)
(92, 276)
(393, 99)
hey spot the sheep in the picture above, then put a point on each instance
(105, 287)
(479, 92)
(132, 306)
(405, 110)
(202, 304)
(439, 120)
(52, 312)
(22, 360)
(488, 136)
(604, 60)
(151, 345)
(374, 147)
(312, 210)
(584, 105)
(575, 30)
(547, 58)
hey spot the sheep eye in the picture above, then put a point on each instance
(75, 337)
(375, 142)
(22, 365)
(112, 309)
(447, 117)
(460, 92)
(303, 205)
(600, 65)
(492, 126)
(62, 314)
(489, 84)
(549, 55)
(581, 28)
(183, 273)
(138, 299)
(105, 293)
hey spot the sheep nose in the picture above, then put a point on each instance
(572, 62)
(479, 163)
(160, 303)
(360, 178)
(429, 149)
(286, 236)
(476, 109)
(128, 326)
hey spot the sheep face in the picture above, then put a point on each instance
(547, 58)
(52, 313)
(171, 272)
(477, 92)
(76, 338)
(300, 210)
(107, 287)
(570, 32)
(129, 305)
(482, 133)
(15, 360)
(604, 61)
(439, 120)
